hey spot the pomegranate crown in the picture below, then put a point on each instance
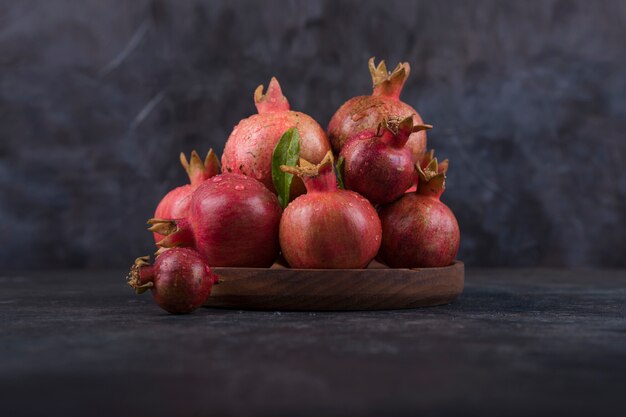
(134, 278)
(177, 232)
(429, 156)
(199, 170)
(388, 83)
(396, 131)
(273, 100)
(320, 177)
(307, 169)
(432, 178)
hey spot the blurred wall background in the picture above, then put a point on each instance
(97, 98)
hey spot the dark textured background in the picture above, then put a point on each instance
(97, 98)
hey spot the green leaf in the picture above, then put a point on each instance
(286, 152)
(339, 168)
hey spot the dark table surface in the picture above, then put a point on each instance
(517, 342)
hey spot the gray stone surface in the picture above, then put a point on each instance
(516, 343)
(97, 98)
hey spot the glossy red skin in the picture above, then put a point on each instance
(330, 230)
(249, 148)
(379, 172)
(418, 232)
(182, 280)
(366, 113)
(234, 221)
(174, 205)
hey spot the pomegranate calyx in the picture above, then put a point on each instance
(320, 177)
(307, 169)
(432, 181)
(273, 100)
(199, 170)
(396, 131)
(162, 226)
(137, 278)
(429, 156)
(388, 83)
(177, 232)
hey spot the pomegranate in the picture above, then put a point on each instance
(418, 229)
(180, 280)
(327, 227)
(175, 203)
(367, 112)
(232, 220)
(250, 146)
(377, 165)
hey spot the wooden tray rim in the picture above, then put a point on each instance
(378, 288)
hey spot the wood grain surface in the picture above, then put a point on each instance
(375, 288)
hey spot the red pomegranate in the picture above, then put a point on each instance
(377, 164)
(327, 227)
(367, 112)
(176, 203)
(180, 280)
(419, 230)
(232, 221)
(250, 146)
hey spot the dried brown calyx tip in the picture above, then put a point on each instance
(163, 227)
(429, 156)
(177, 232)
(397, 125)
(160, 251)
(139, 273)
(432, 179)
(388, 83)
(307, 169)
(320, 177)
(273, 100)
(199, 170)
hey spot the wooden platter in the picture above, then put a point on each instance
(376, 288)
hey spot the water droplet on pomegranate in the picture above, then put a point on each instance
(217, 179)
(239, 187)
(350, 204)
(376, 238)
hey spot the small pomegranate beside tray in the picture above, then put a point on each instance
(286, 224)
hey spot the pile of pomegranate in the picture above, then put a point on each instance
(288, 191)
